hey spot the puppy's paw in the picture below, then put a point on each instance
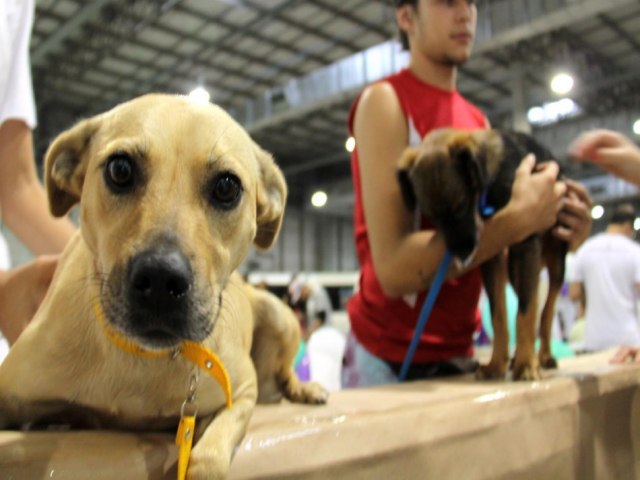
(547, 362)
(526, 371)
(491, 371)
(207, 467)
(309, 392)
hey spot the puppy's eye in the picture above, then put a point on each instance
(226, 191)
(119, 173)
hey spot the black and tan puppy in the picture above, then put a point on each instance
(458, 179)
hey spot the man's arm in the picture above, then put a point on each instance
(576, 292)
(611, 151)
(22, 196)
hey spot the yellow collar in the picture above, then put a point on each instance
(194, 352)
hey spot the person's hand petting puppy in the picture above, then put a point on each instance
(611, 151)
(574, 220)
(22, 289)
(536, 197)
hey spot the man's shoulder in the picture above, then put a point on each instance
(591, 243)
(605, 239)
(470, 105)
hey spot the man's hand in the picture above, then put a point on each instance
(611, 151)
(627, 355)
(537, 198)
(22, 290)
(575, 217)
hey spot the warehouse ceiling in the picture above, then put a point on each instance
(272, 63)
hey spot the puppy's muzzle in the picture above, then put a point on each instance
(159, 282)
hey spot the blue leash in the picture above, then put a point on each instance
(425, 312)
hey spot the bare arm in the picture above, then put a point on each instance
(22, 196)
(576, 292)
(21, 292)
(611, 151)
(401, 256)
(405, 260)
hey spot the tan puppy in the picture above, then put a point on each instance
(171, 194)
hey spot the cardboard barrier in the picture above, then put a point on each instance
(582, 422)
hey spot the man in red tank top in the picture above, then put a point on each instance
(398, 253)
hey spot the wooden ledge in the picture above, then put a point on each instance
(582, 422)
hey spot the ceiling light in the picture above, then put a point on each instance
(636, 224)
(350, 144)
(562, 83)
(536, 115)
(319, 199)
(597, 212)
(553, 112)
(199, 95)
(636, 127)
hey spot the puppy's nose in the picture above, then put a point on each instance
(160, 279)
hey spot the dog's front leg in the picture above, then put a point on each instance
(212, 454)
(524, 273)
(494, 275)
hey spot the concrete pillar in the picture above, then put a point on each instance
(519, 102)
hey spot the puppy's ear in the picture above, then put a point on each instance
(66, 165)
(470, 166)
(271, 199)
(407, 161)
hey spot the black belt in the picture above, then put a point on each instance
(418, 371)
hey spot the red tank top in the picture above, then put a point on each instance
(385, 326)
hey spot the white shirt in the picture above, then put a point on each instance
(325, 349)
(16, 89)
(608, 266)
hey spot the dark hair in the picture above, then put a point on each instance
(623, 213)
(322, 316)
(404, 40)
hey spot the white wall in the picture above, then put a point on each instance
(309, 241)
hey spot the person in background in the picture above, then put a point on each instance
(606, 276)
(325, 347)
(619, 156)
(23, 202)
(308, 298)
(317, 303)
(322, 345)
(397, 259)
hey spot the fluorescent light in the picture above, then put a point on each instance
(636, 224)
(562, 83)
(552, 112)
(636, 127)
(319, 199)
(536, 115)
(350, 144)
(199, 95)
(597, 212)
